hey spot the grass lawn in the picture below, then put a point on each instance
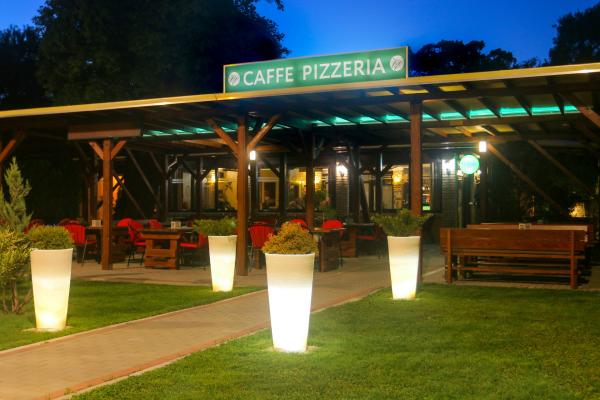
(454, 342)
(96, 304)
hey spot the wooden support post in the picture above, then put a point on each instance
(416, 168)
(282, 186)
(483, 188)
(200, 185)
(165, 187)
(13, 143)
(242, 197)
(354, 182)
(254, 198)
(379, 183)
(107, 204)
(492, 149)
(310, 181)
(332, 182)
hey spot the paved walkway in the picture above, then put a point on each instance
(73, 363)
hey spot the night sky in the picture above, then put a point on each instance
(332, 26)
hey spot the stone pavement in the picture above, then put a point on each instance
(76, 362)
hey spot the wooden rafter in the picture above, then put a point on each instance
(521, 175)
(588, 112)
(223, 135)
(97, 150)
(560, 166)
(117, 148)
(519, 97)
(263, 132)
(12, 144)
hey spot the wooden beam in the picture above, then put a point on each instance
(106, 260)
(283, 171)
(117, 148)
(242, 198)
(560, 166)
(261, 134)
(493, 150)
(206, 142)
(121, 183)
(416, 169)
(101, 131)
(12, 144)
(223, 135)
(270, 166)
(99, 152)
(144, 178)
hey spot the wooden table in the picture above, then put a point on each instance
(162, 246)
(329, 247)
(120, 242)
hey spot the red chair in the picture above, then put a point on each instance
(335, 224)
(80, 239)
(136, 240)
(192, 248)
(154, 224)
(259, 234)
(67, 221)
(300, 222)
(375, 238)
(33, 223)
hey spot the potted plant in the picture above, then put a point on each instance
(222, 242)
(403, 230)
(290, 257)
(51, 260)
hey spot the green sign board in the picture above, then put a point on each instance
(469, 164)
(284, 73)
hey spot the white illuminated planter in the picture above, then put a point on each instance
(290, 281)
(222, 261)
(404, 265)
(51, 279)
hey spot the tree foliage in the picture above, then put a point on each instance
(105, 50)
(454, 56)
(19, 87)
(14, 269)
(577, 37)
(13, 210)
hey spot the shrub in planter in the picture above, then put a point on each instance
(14, 270)
(222, 242)
(51, 260)
(404, 242)
(290, 259)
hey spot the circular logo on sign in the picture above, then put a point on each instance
(397, 63)
(234, 79)
(469, 164)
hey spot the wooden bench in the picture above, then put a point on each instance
(587, 228)
(514, 251)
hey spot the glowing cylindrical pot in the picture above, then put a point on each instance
(51, 278)
(290, 281)
(404, 265)
(222, 261)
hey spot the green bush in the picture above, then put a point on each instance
(50, 238)
(14, 269)
(402, 223)
(216, 227)
(291, 239)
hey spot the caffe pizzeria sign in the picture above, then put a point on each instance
(376, 65)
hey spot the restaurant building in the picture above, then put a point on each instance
(346, 135)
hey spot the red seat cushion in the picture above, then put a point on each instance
(186, 245)
(139, 243)
(259, 234)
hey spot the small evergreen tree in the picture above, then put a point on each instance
(13, 211)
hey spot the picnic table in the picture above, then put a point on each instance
(162, 246)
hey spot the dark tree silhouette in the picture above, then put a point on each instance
(18, 54)
(454, 56)
(106, 49)
(577, 37)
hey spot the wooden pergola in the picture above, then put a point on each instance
(546, 106)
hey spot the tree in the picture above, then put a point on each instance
(13, 211)
(454, 56)
(577, 38)
(106, 50)
(19, 87)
